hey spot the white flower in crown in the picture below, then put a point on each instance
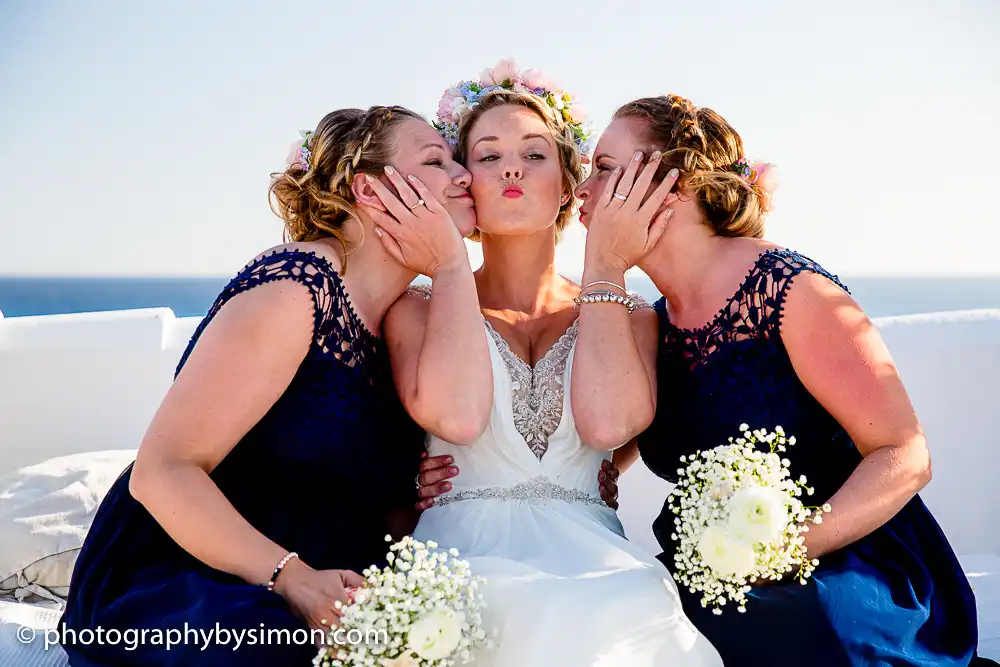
(460, 99)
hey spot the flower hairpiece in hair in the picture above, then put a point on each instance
(463, 97)
(300, 151)
(761, 175)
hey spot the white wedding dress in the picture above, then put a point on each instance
(564, 587)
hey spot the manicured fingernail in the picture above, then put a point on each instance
(389, 170)
(453, 470)
(670, 212)
(657, 155)
(412, 178)
(637, 156)
(448, 459)
(378, 232)
(600, 476)
(673, 173)
(446, 486)
(369, 178)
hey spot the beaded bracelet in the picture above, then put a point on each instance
(277, 570)
(605, 297)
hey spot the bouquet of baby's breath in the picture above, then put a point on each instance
(424, 609)
(739, 518)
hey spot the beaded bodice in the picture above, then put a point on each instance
(537, 392)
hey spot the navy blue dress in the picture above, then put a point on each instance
(319, 474)
(896, 597)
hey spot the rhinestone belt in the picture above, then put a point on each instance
(537, 488)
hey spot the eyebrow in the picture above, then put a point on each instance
(524, 138)
(431, 145)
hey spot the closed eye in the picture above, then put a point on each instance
(434, 162)
(536, 156)
(489, 158)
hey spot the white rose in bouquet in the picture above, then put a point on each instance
(758, 513)
(726, 553)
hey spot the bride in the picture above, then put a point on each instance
(564, 586)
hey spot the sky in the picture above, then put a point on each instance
(137, 138)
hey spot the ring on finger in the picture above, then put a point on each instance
(416, 480)
(420, 202)
(619, 195)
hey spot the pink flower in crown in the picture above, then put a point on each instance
(505, 69)
(535, 79)
(447, 104)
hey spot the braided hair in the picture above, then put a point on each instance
(705, 149)
(315, 199)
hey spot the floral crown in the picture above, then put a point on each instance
(465, 96)
(761, 176)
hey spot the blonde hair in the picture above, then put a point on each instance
(569, 156)
(704, 148)
(317, 202)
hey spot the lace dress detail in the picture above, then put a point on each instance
(338, 331)
(537, 393)
(754, 312)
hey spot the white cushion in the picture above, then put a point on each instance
(45, 513)
(23, 630)
(983, 571)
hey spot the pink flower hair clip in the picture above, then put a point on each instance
(761, 176)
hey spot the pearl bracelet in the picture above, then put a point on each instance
(605, 297)
(277, 570)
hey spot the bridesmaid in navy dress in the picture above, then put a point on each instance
(758, 334)
(233, 515)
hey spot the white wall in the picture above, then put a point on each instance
(73, 383)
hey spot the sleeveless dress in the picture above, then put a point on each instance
(564, 587)
(318, 474)
(895, 597)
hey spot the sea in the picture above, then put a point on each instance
(193, 296)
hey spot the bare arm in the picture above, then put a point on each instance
(625, 456)
(441, 359)
(215, 400)
(841, 359)
(614, 371)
